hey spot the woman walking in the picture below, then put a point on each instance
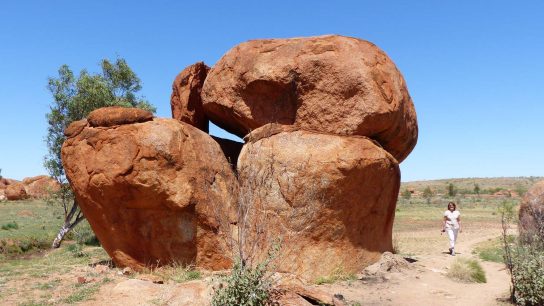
(452, 225)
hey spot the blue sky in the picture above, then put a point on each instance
(474, 68)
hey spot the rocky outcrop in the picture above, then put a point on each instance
(331, 84)
(326, 121)
(152, 190)
(15, 191)
(531, 211)
(41, 186)
(186, 102)
(330, 199)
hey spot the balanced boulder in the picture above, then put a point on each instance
(186, 102)
(152, 191)
(331, 84)
(327, 200)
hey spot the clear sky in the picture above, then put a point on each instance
(474, 68)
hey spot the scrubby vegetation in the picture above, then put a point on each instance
(524, 258)
(467, 270)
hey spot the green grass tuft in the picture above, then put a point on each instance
(467, 270)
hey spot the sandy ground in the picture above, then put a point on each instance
(426, 283)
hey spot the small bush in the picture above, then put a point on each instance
(467, 270)
(76, 250)
(248, 285)
(528, 275)
(244, 286)
(83, 234)
(10, 225)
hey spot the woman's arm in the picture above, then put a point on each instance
(459, 222)
(444, 223)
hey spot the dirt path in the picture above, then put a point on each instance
(426, 282)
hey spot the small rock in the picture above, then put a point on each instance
(127, 271)
(81, 280)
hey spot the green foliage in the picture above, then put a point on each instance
(76, 250)
(452, 190)
(524, 259)
(467, 270)
(528, 274)
(247, 285)
(521, 189)
(406, 194)
(84, 235)
(74, 97)
(10, 225)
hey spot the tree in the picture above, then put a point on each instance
(452, 190)
(476, 189)
(73, 99)
(428, 194)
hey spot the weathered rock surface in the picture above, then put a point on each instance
(186, 102)
(332, 84)
(116, 115)
(15, 191)
(151, 191)
(41, 186)
(531, 210)
(331, 199)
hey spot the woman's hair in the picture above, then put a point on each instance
(454, 206)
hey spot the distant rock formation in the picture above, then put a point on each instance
(326, 122)
(37, 187)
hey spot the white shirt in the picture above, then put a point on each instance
(451, 218)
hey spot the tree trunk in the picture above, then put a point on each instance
(68, 224)
(60, 236)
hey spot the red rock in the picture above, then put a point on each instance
(331, 84)
(40, 187)
(331, 199)
(531, 210)
(116, 115)
(151, 192)
(185, 101)
(75, 128)
(15, 191)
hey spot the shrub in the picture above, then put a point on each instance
(524, 259)
(247, 285)
(76, 250)
(467, 270)
(10, 225)
(528, 275)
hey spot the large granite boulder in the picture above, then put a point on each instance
(152, 190)
(186, 102)
(330, 199)
(41, 186)
(15, 191)
(331, 84)
(531, 211)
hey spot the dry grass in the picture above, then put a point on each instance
(467, 270)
